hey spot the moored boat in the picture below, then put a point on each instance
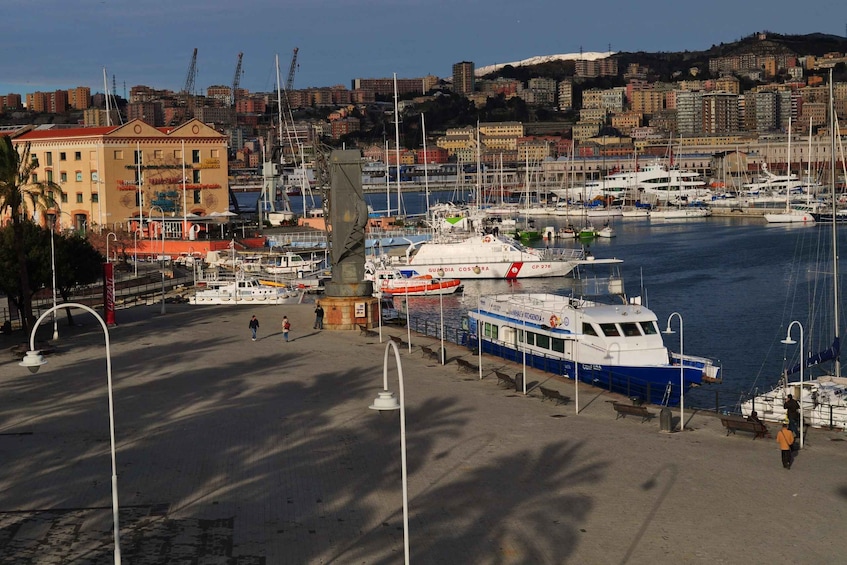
(389, 280)
(617, 346)
(490, 256)
(245, 291)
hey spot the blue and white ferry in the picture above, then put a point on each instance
(615, 345)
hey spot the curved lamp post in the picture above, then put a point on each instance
(162, 227)
(789, 341)
(53, 269)
(108, 260)
(34, 360)
(386, 400)
(135, 249)
(681, 370)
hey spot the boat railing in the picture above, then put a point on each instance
(562, 254)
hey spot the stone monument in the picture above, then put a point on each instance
(348, 301)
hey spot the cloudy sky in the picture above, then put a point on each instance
(59, 44)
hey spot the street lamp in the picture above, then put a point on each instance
(33, 361)
(384, 401)
(681, 370)
(135, 249)
(107, 244)
(53, 268)
(789, 341)
(162, 228)
(442, 354)
(379, 312)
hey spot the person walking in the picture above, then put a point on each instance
(319, 317)
(785, 439)
(254, 326)
(286, 327)
(792, 407)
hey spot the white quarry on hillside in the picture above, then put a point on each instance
(589, 56)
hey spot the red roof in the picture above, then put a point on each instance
(67, 132)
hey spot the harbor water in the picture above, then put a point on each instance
(737, 284)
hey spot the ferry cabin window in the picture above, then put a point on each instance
(649, 328)
(530, 338)
(542, 341)
(491, 330)
(588, 329)
(610, 330)
(558, 345)
(630, 329)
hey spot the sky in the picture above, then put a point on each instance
(59, 44)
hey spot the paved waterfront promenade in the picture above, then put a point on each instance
(238, 452)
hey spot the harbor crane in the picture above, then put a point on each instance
(187, 94)
(233, 95)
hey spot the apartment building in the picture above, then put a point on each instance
(565, 95)
(112, 173)
(720, 113)
(464, 81)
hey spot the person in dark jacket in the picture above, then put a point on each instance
(254, 326)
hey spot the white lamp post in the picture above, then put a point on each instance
(681, 370)
(135, 250)
(386, 400)
(162, 228)
(33, 361)
(53, 268)
(442, 354)
(789, 341)
(111, 233)
(379, 313)
(408, 323)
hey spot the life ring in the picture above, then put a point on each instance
(554, 321)
(487, 239)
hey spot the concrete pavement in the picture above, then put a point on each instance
(238, 452)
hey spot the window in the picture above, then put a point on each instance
(93, 176)
(77, 155)
(530, 338)
(95, 197)
(610, 330)
(49, 176)
(196, 197)
(195, 155)
(158, 154)
(195, 176)
(542, 341)
(79, 198)
(63, 156)
(557, 345)
(138, 157)
(588, 329)
(63, 176)
(34, 177)
(649, 328)
(487, 329)
(64, 198)
(630, 329)
(49, 158)
(79, 176)
(495, 331)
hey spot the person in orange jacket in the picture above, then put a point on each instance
(785, 438)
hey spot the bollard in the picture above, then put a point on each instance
(665, 420)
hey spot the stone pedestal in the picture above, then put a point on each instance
(340, 312)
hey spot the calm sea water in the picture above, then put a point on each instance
(737, 283)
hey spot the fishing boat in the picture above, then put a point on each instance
(245, 291)
(822, 398)
(389, 280)
(490, 256)
(290, 263)
(680, 213)
(603, 339)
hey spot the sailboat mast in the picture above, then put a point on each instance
(426, 168)
(835, 299)
(106, 90)
(397, 142)
(788, 171)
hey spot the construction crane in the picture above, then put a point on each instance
(187, 94)
(286, 103)
(236, 80)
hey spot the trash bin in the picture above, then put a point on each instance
(665, 420)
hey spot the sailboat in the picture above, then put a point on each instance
(799, 213)
(823, 399)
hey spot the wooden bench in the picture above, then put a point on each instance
(555, 395)
(428, 352)
(363, 330)
(625, 410)
(734, 423)
(505, 379)
(464, 365)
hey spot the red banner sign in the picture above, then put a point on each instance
(109, 293)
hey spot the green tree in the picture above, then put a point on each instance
(19, 194)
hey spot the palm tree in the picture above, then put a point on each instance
(16, 188)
